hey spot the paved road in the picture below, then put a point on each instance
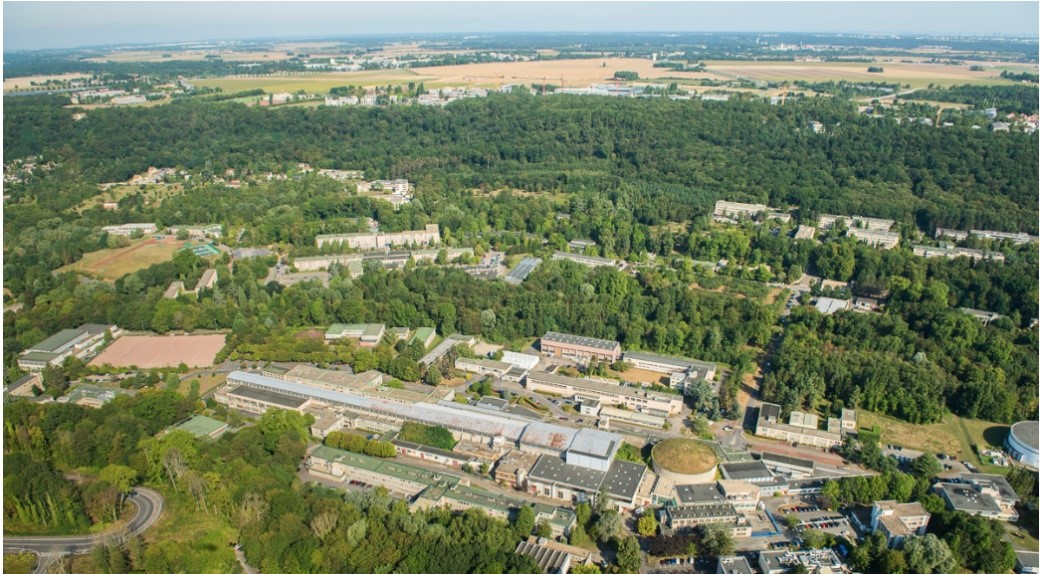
(149, 507)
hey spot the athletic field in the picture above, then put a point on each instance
(157, 351)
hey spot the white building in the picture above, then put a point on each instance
(128, 229)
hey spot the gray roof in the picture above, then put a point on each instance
(596, 443)
(1027, 559)
(563, 338)
(522, 269)
(770, 458)
(995, 481)
(266, 396)
(41, 356)
(749, 471)
(734, 565)
(551, 468)
(702, 511)
(699, 494)
(664, 360)
(550, 560)
(623, 478)
(1027, 433)
(769, 410)
(964, 497)
(493, 403)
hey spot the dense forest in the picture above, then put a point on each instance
(1016, 99)
(245, 481)
(737, 150)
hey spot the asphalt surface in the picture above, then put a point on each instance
(149, 507)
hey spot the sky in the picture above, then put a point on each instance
(41, 25)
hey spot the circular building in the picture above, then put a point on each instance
(1023, 443)
(684, 461)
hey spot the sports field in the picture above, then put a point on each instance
(111, 264)
(157, 351)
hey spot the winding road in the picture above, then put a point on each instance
(149, 505)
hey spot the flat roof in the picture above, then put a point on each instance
(753, 470)
(768, 457)
(722, 509)
(623, 479)
(734, 565)
(689, 494)
(601, 387)
(41, 356)
(551, 468)
(566, 339)
(828, 305)
(995, 481)
(964, 497)
(271, 397)
(665, 360)
(1027, 559)
(493, 403)
(422, 334)
(769, 410)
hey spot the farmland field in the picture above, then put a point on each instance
(26, 82)
(111, 264)
(573, 73)
(916, 74)
(155, 351)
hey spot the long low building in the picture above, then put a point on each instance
(78, 343)
(482, 366)
(881, 239)
(955, 252)
(635, 398)
(590, 448)
(681, 370)
(431, 235)
(856, 221)
(621, 483)
(460, 496)
(769, 425)
(128, 229)
(579, 348)
(586, 260)
(722, 514)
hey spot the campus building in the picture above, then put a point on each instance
(79, 343)
(955, 252)
(586, 260)
(801, 430)
(898, 521)
(680, 370)
(428, 236)
(128, 229)
(1022, 443)
(622, 482)
(580, 349)
(366, 334)
(986, 495)
(607, 393)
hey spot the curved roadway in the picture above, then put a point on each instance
(149, 505)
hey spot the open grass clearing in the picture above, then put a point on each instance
(954, 436)
(206, 383)
(111, 264)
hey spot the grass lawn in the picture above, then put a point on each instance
(19, 563)
(111, 264)
(954, 436)
(206, 383)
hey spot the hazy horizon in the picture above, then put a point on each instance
(62, 25)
